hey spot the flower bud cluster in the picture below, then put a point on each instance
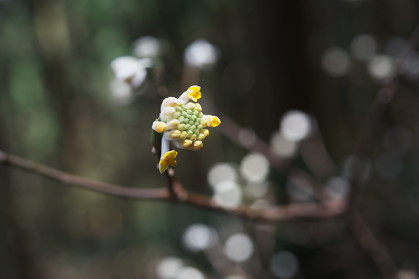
(182, 122)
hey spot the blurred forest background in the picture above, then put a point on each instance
(300, 75)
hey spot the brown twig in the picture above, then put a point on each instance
(362, 232)
(232, 131)
(270, 214)
(371, 245)
(374, 123)
(67, 178)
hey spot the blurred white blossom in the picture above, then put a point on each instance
(201, 54)
(121, 92)
(131, 70)
(147, 46)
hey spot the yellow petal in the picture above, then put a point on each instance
(210, 120)
(215, 121)
(194, 92)
(168, 159)
(159, 126)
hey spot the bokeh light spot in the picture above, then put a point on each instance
(336, 61)
(247, 137)
(295, 125)
(284, 264)
(147, 46)
(282, 146)
(382, 67)
(338, 186)
(221, 172)
(121, 92)
(198, 237)
(239, 247)
(189, 273)
(201, 54)
(168, 267)
(363, 47)
(228, 194)
(254, 167)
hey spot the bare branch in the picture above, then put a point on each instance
(67, 178)
(362, 232)
(270, 214)
(371, 246)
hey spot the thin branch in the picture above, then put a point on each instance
(362, 232)
(374, 123)
(371, 245)
(232, 131)
(271, 214)
(67, 178)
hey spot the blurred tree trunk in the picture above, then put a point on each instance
(280, 39)
(16, 255)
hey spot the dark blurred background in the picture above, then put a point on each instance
(295, 73)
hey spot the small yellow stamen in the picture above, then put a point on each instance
(168, 159)
(194, 93)
(159, 126)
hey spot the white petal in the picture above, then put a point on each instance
(147, 46)
(138, 78)
(146, 62)
(169, 102)
(184, 98)
(201, 54)
(206, 120)
(167, 113)
(125, 67)
(165, 146)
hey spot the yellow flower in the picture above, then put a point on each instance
(168, 159)
(194, 92)
(182, 123)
